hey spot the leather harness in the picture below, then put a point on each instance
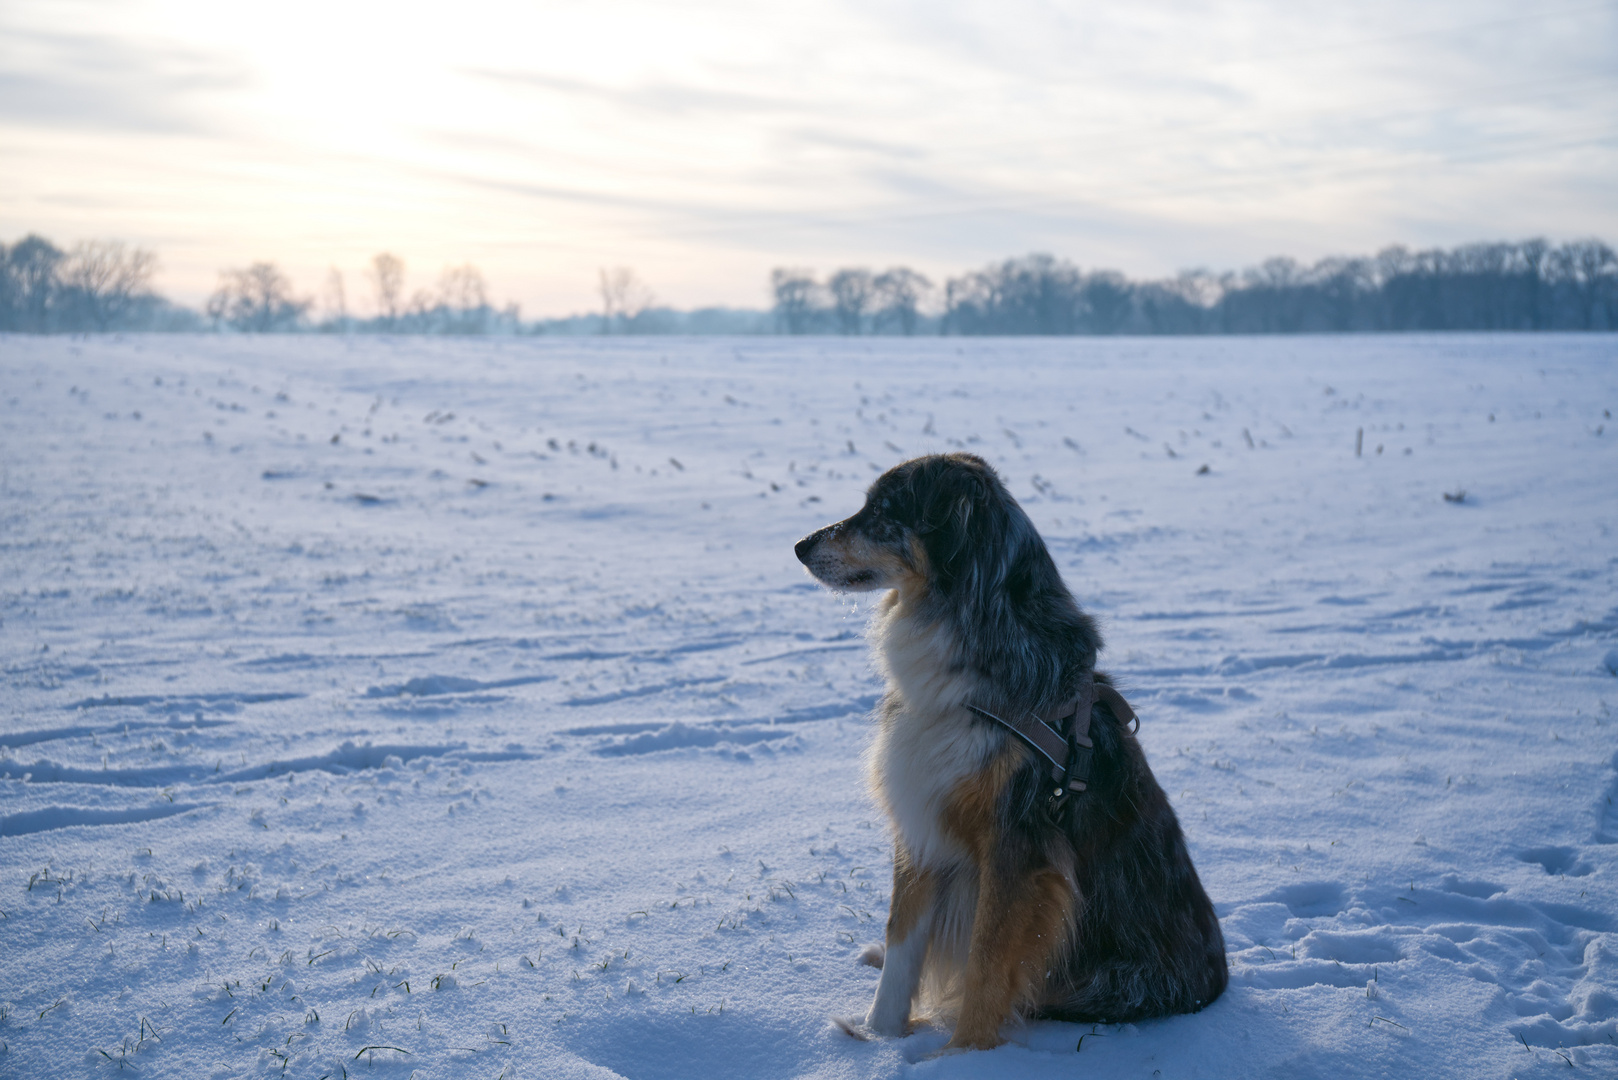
(1063, 739)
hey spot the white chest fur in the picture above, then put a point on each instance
(927, 742)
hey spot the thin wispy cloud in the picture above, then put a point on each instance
(56, 80)
(655, 97)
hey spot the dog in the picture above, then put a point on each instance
(1012, 897)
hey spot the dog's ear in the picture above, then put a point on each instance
(963, 513)
(952, 508)
(936, 501)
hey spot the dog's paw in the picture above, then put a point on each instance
(851, 1029)
(873, 955)
(889, 1027)
(962, 1042)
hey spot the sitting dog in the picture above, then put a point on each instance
(1038, 869)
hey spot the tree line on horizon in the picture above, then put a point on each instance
(1531, 285)
(105, 285)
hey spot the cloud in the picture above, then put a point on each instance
(64, 80)
(841, 141)
(656, 97)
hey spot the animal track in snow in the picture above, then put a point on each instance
(1556, 860)
(1312, 899)
(1554, 962)
(1478, 890)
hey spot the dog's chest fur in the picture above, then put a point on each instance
(927, 745)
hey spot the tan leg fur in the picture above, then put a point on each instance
(1016, 932)
(1020, 922)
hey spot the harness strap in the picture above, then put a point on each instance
(1036, 734)
(1120, 708)
(1069, 755)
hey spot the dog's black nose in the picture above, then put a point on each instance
(803, 547)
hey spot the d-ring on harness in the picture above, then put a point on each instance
(1064, 740)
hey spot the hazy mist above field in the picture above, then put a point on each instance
(703, 143)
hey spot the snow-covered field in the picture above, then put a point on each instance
(435, 708)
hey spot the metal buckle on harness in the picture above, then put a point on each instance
(1074, 776)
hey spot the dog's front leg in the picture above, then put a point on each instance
(909, 926)
(1022, 919)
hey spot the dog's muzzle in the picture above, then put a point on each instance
(805, 548)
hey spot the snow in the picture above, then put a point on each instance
(457, 708)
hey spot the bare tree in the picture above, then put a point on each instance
(1180, 305)
(334, 301)
(795, 292)
(1109, 298)
(1591, 271)
(387, 275)
(465, 298)
(31, 272)
(8, 292)
(102, 282)
(258, 299)
(850, 297)
(417, 315)
(899, 292)
(624, 297)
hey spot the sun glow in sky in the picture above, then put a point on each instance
(703, 143)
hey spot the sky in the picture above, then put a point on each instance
(703, 143)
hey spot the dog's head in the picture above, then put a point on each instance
(934, 522)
